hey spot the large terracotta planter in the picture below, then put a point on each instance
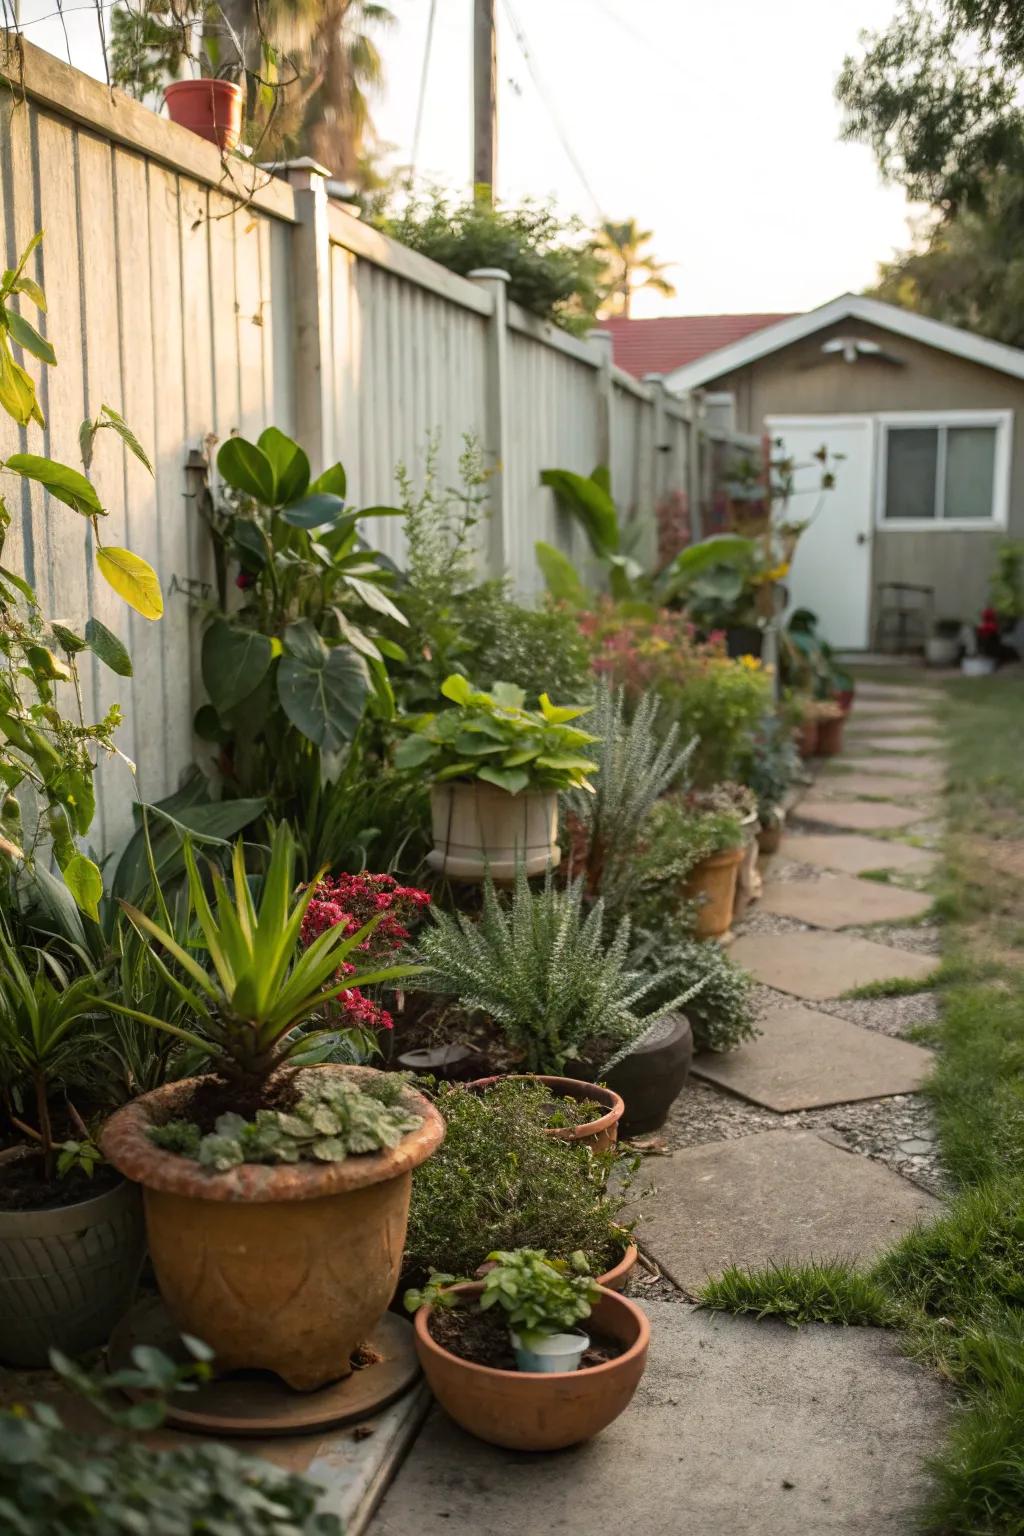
(806, 737)
(210, 108)
(67, 1275)
(285, 1268)
(478, 827)
(615, 1278)
(652, 1077)
(530, 1411)
(596, 1134)
(712, 884)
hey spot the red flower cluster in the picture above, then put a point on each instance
(351, 901)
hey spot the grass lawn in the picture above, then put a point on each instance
(956, 1288)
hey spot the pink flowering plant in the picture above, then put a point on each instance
(350, 903)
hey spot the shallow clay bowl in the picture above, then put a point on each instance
(534, 1411)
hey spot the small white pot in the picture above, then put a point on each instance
(555, 1353)
(477, 827)
(977, 666)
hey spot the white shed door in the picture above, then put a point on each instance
(831, 571)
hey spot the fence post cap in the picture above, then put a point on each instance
(496, 273)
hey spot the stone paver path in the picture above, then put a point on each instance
(860, 815)
(824, 965)
(842, 902)
(786, 1149)
(804, 1059)
(852, 854)
(738, 1429)
(774, 1196)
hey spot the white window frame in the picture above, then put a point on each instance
(1002, 421)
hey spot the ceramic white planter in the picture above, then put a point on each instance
(977, 666)
(478, 827)
(558, 1352)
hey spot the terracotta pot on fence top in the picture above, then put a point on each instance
(210, 108)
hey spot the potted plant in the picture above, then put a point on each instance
(276, 1195)
(513, 1394)
(702, 850)
(740, 801)
(71, 1236)
(556, 985)
(829, 719)
(499, 1180)
(497, 770)
(942, 647)
(770, 771)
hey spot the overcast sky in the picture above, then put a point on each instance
(710, 121)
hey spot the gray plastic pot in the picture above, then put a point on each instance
(68, 1275)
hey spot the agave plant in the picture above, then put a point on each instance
(260, 986)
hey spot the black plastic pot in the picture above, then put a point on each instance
(744, 640)
(651, 1078)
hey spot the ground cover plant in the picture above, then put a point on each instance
(956, 1286)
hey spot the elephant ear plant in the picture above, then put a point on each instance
(259, 988)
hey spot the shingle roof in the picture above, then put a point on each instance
(671, 341)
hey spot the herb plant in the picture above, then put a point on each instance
(721, 1008)
(334, 1118)
(557, 987)
(771, 767)
(492, 737)
(636, 767)
(540, 1296)
(261, 988)
(498, 1180)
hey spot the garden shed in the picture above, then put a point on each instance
(933, 472)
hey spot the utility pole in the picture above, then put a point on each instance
(485, 98)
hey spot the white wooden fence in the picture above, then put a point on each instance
(201, 297)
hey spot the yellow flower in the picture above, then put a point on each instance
(752, 663)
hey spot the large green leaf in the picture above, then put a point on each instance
(105, 644)
(28, 337)
(235, 660)
(17, 391)
(84, 881)
(590, 503)
(188, 813)
(721, 548)
(323, 692)
(333, 480)
(289, 464)
(314, 510)
(560, 575)
(60, 480)
(372, 595)
(246, 468)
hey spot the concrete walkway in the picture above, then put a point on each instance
(811, 1142)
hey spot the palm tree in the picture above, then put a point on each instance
(627, 268)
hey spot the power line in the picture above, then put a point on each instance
(423, 85)
(542, 91)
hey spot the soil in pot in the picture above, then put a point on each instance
(23, 1186)
(712, 885)
(483, 1339)
(651, 1078)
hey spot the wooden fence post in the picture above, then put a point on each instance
(494, 281)
(311, 298)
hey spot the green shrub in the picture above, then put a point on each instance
(540, 649)
(499, 1181)
(721, 1013)
(544, 970)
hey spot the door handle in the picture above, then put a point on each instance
(862, 538)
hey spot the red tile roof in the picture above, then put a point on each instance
(658, 346)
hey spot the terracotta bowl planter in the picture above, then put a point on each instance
(712, 884)
(478, 827)
(652, 1077)
(68, 1274)
(529, 1411)
(615, 1278)
(286, 1268)
(596, 1134)
(830, 736)
(210, 108)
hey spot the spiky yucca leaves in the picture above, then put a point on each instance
(637, 765)
(544, 971)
